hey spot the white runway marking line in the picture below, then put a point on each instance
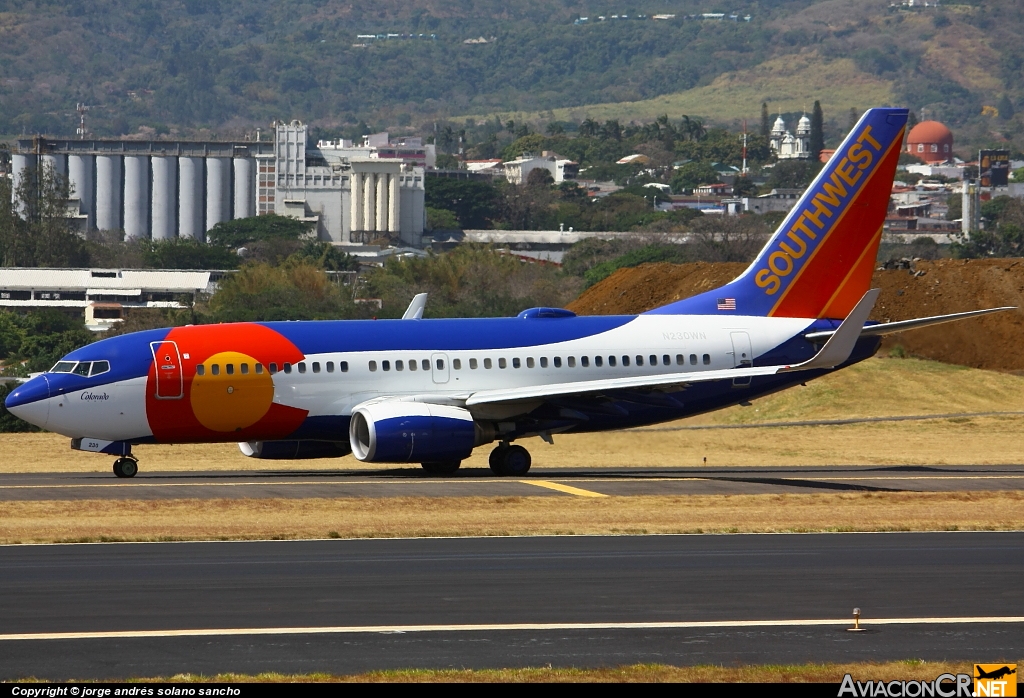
(491, 627)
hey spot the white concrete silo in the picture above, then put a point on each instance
(190, 198)
(136, 196)
(20, 162)
(56, 162)
(165, 198)
(370, 202)
(245, 187)
(218, 191)
(382, 203)
(394, 204)
(108, 192)
(355, 205)
(81, 179)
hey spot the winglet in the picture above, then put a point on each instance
(415, 309)
(840, 345)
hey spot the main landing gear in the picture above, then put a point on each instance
(126, 466)
(509, 459)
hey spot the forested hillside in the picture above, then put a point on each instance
(176, 66)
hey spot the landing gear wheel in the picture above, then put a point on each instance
(126, 467)
(512, 461)
(443, 467)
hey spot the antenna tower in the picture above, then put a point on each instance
(81, 109)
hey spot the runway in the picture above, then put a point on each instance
(357, 605)
(480, 482)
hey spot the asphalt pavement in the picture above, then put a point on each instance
(343, 606)
(413, 481)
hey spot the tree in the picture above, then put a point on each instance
(555, 129)
(471, 201)
(744, 186)
(612, 130)
(43, 235)
(441, 219)
(793, 174)
(266, 227)
(766, 123)
(911, 120)
(1005, 108)
(295, 291)
(539, 177)
(817, 131)
(187, 253)
(589, 128)
(693, 174)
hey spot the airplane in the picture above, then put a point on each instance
(430, 391)
(996, 674)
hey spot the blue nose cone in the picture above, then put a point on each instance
(30, 391)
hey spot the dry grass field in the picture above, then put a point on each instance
(636, 673)
(874, 388)
(262, 519)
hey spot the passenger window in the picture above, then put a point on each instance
(457, 364)
(259, 369)
(200, 370)
(412, 365)
(373, 366)
(611, 360)
(302, 367)
(399, 365)
(330, 367)
(425, 364)
(543, 362)
(707, 359)
(515, 362)
(502, 363)
(529, 362)
(229, 369)
(693, 359)
(99, 367)
(287, 367)
(386, 365)
(666, 359)
(584, 361)
(440, 364)
(640, 361)
(487, 363)
(316, 367)
(215, 369)
(245, 369)
(472, 363)
(598, 361)
(572, 361)
(273, 368)
(558, 362)
(343, 366)
(82, 369)
(625, 361)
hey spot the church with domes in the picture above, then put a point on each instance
(787, 146)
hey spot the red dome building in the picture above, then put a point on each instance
(931, 141)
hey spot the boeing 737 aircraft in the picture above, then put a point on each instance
(430, 391)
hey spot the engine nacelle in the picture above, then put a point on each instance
(293, 450)
(414, 432)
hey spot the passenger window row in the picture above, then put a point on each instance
(570, 361)
(243, 368)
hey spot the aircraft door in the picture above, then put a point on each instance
(742, 356)
(170, 383)
(439, 367)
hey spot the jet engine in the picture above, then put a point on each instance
(414, 432)
(293, 450)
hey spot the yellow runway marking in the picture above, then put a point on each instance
(321, 630)
(563, 488)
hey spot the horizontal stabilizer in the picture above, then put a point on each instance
(916, 323)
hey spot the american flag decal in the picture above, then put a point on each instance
(727, 304)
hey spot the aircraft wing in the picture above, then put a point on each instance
(836, 350)
(903, 325)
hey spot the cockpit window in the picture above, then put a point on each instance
(99, 367)
(82, 369)
(63, 367)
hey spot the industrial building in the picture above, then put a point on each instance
(168, 189)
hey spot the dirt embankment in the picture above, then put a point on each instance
(931, 288)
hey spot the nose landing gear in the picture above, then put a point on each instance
(126, 466)
(511, 460)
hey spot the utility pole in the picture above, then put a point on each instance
(81, 109)
(744, 170)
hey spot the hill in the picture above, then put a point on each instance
(209, 66)
(940, 287)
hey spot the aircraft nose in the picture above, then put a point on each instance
(29, 401)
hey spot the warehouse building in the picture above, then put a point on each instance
(167, 189)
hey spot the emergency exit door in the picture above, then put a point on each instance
(742, 356)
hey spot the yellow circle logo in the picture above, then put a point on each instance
(228, 394)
